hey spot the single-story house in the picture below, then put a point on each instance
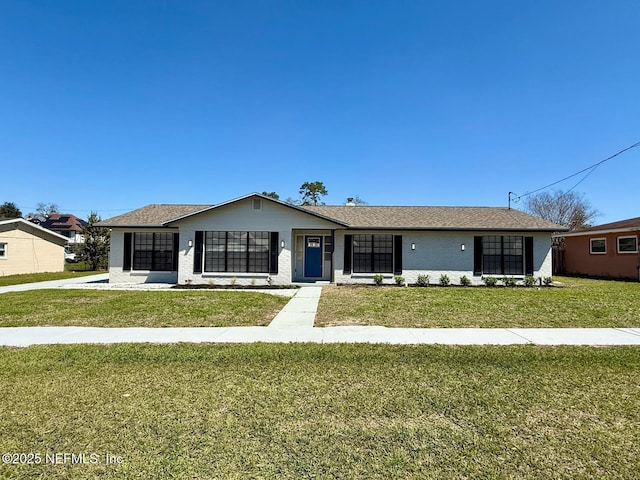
(255, 239)
(606, 251)
(29, 248)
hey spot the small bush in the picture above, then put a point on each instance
(490, 281)
(465, 281)
(509, 281)
(547, 281)
(529, 281)
(399, 281)
(422, 280)
(234, 280)
(444, 280)
(377, 279)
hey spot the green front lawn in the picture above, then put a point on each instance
(100, 308)
(578, 303)
(323, 411)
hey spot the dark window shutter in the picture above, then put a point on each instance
(477, 256)
(275, 250)
(397, 254)
(176, 249)
(528, 256)
(126, 261)
(197, 254)
(348, 241)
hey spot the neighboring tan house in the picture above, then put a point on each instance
(29, 248)
(258, 240)
(606, 251)
(67, 225)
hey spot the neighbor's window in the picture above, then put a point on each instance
(598, 245)
(153, 251)
(3, 250)
(373, 253)
(236, 252)
(502, 255)
(628, 244)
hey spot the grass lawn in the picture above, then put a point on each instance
(100, 308)
(323, 411)
(71, 270)
(579, 303)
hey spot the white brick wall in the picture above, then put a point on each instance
(116, 258)
(439, 253)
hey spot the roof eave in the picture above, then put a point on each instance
(264, 197)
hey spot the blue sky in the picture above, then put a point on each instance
(110, 106)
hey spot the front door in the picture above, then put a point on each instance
(313, 256)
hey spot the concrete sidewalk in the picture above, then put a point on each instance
(25, 336)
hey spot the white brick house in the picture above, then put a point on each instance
(257, 240)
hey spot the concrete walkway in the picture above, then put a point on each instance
(25, 336)
(295, 324)
(99, 278)
(301, 309)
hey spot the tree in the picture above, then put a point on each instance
(47, 209)
(95, 249)
(9, 210)
(273, 195)
(312, 192)
(569, 209)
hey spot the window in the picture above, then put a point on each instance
(628, 244)
(502, 255)
(373, 253)
(598, 245)
(3, 250)
(236, 252)
(153, 251)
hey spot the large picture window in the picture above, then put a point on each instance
(502, 255)
(373, 253)
(153, 251)
(236, 252)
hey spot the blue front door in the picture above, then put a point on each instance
(313, 256)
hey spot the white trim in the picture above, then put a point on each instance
(35, 226)
(3, 256)
(623, 237)
(598, 232)
(591, 246)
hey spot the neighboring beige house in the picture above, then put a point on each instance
(257, 240)
(29, 248)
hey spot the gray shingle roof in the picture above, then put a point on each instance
(400, 217)
(152, 215)
(436, 218)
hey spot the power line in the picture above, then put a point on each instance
(589, 169)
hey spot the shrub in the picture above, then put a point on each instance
(509, 281)
(547, 281)
(377, 279)
(490, 281)
(422, 280)
(529, 281)
(444, 280)
(399, 281)
(465, 281)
